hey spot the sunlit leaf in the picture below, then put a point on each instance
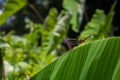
(93, 27)
(11, 7)
(59, 32)
(51, 39)
(49, 25)
(51, 20)
(3, 44)
(76, 7)
(16, 41)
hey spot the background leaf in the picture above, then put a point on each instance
(56, 36)
(49, 26)
(60, 31)
(93, 27)
(11, 7)
(76, 7)
(100, 25)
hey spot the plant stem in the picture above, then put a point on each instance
(27, 77)
(1, 63)
(36, 12)
(2, 72)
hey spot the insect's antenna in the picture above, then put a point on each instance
(81, 41)
(71, 42)
(74, 42)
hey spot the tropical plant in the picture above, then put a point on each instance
(94, 61)
(35, 54)
(88, 61)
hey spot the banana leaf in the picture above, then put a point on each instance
(99, 60)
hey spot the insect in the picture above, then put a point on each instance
(83, 40)
(74, 42)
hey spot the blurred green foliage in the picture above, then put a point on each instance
(100, 25)
(11, 7)
(76, 8)
(27, 54)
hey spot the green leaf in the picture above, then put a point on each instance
(3, 44)
(22, 66)
(51, 39)
(49, 25)
(93, 27)
(94, 61)
(100, 24)
(43, 72)
(50, 20)
(16, 41)
(11, 7)
(59, 32)
(77, 10)
(35, 32)
(109, 18)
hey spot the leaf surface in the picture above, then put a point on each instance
(94, 61)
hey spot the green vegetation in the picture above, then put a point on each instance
(94, 61)
(35, 54)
